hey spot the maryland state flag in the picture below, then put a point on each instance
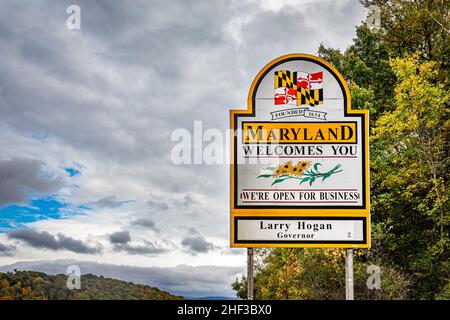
(298, 88)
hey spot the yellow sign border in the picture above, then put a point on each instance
(319, 212)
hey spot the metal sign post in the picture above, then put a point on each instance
(249, 273)
(349, 274)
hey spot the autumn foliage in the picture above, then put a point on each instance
(28, 285)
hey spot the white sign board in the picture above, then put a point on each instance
(299, 151)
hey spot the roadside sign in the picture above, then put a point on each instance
(300, 160)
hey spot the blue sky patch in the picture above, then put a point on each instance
(72, 172)
(14, 216)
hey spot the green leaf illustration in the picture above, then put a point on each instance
(310, 175)
(278, 181)
(305, 179)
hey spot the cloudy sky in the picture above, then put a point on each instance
(86, 118)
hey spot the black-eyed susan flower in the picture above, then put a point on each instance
(303, 165)
(297, 170)
(285, 168)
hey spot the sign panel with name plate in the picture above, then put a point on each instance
(300, 160)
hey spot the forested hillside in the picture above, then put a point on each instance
(29, 285)
(400, 73)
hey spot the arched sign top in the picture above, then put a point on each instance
(272, 65)
(299, 154)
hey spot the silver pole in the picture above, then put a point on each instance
(250, 273)
(349, 274)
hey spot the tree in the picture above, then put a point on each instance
(318, 274)
(420, 26)
(410, 174)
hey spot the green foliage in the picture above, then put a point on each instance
(410, 175)
(28, 285)
(318, 274)
(421, 27)
(445, 294)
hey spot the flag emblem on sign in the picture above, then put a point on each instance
(298, 88)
